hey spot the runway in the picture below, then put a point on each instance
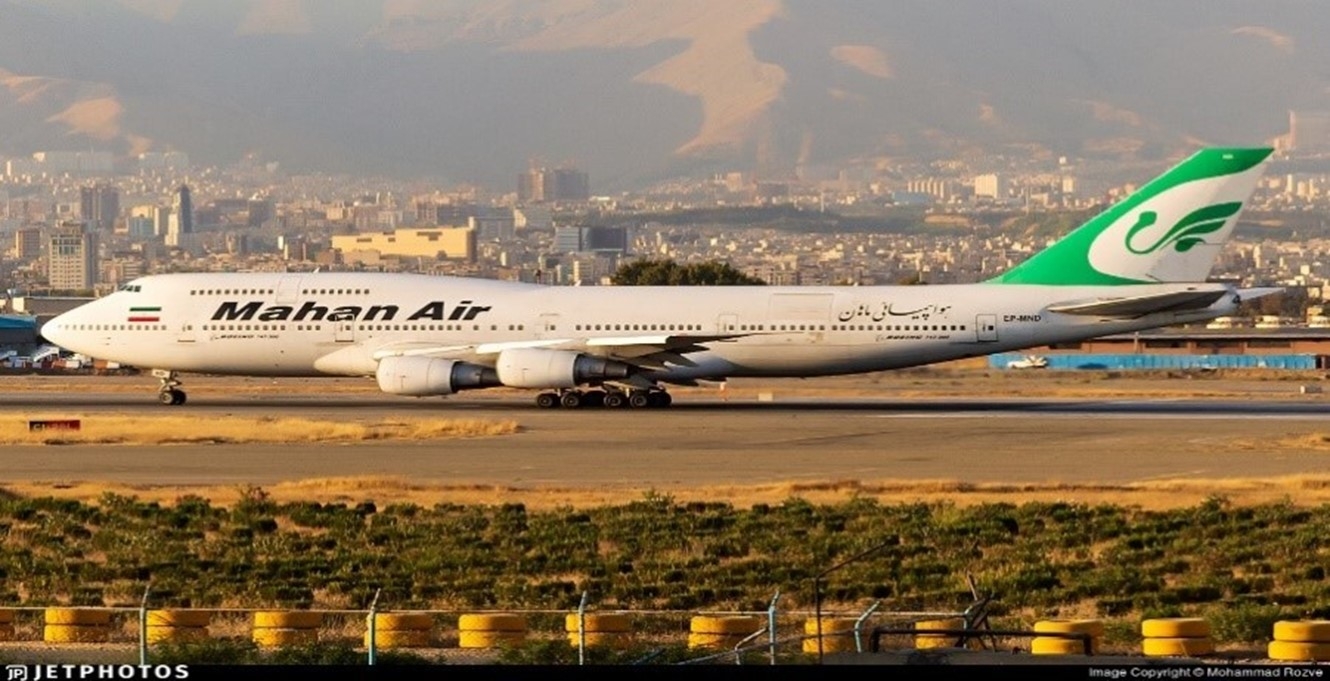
(704, 441)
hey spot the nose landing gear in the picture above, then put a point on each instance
(169, 393)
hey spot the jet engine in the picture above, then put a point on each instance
(420, 376)
(541, 368)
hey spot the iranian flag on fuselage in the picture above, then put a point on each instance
(145, 314)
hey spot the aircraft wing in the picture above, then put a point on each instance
(1139, 306)
(649, 352)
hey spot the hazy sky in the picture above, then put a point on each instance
(639, 90)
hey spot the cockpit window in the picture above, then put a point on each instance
(133, 288)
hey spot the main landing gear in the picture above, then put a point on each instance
(169, 393)
(609, 398)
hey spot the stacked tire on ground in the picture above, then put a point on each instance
(76, 625)
(1058, 645)
(401, 630)
(1176, 637)
(925, 640)
(278, 628)
(1301, 641)
(178, 626)
(490, 630)
(6, 625)
(603, 629)
(837, 635)
(720, 632)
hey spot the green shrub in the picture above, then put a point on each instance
(207, 651)
(1245, 622)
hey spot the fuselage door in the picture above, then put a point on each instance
(548, 326)
(985, 328)
(288, 289)
(345, 332)
(727, 323)
(186, 334)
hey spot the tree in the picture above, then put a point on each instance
(669, 273)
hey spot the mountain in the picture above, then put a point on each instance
(639, 90)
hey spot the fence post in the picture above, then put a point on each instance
(143, 625)
(581, 630)
(373, 640)
(859, 625)
(771, 625)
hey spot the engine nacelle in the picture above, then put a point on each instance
(541, 368)
(420, 376)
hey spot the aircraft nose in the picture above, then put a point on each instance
(56, 330)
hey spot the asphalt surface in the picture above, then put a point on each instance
(704, 441)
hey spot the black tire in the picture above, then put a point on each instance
(570, 400)
(593, 398)
(614, 400)
(179, 396)
(547, 400)
(639, 400)
(166, 397)
(661, 399)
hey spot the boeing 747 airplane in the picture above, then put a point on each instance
(1141, 264)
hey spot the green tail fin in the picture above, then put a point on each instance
(1170, 230)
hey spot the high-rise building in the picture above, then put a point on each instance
(553, 184)
(184, 208)
(567, 239)
(1309, 131)
(991, 186)
(180, 226)
(28, 243)
(590, 240)
(148, 221)
(99, 206)
(493, 224)
(72, 258)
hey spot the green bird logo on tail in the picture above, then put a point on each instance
(1187, 233)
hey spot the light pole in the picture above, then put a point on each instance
(817, 585)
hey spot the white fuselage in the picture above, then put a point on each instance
(334, 323)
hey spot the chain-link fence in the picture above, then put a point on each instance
(581, 635)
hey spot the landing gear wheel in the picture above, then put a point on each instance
(593, 398)
(547, 400)
(659, 398)
(171, 396)
(571, 400)
(169, 392)
(614, 400)
(639, 400)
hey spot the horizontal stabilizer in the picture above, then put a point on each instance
(1138, 306)
(1246, 294)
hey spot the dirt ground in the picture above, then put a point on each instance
(756, 441)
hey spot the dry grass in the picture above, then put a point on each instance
(1305, 490)
(110, 429)
(1317, 441)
